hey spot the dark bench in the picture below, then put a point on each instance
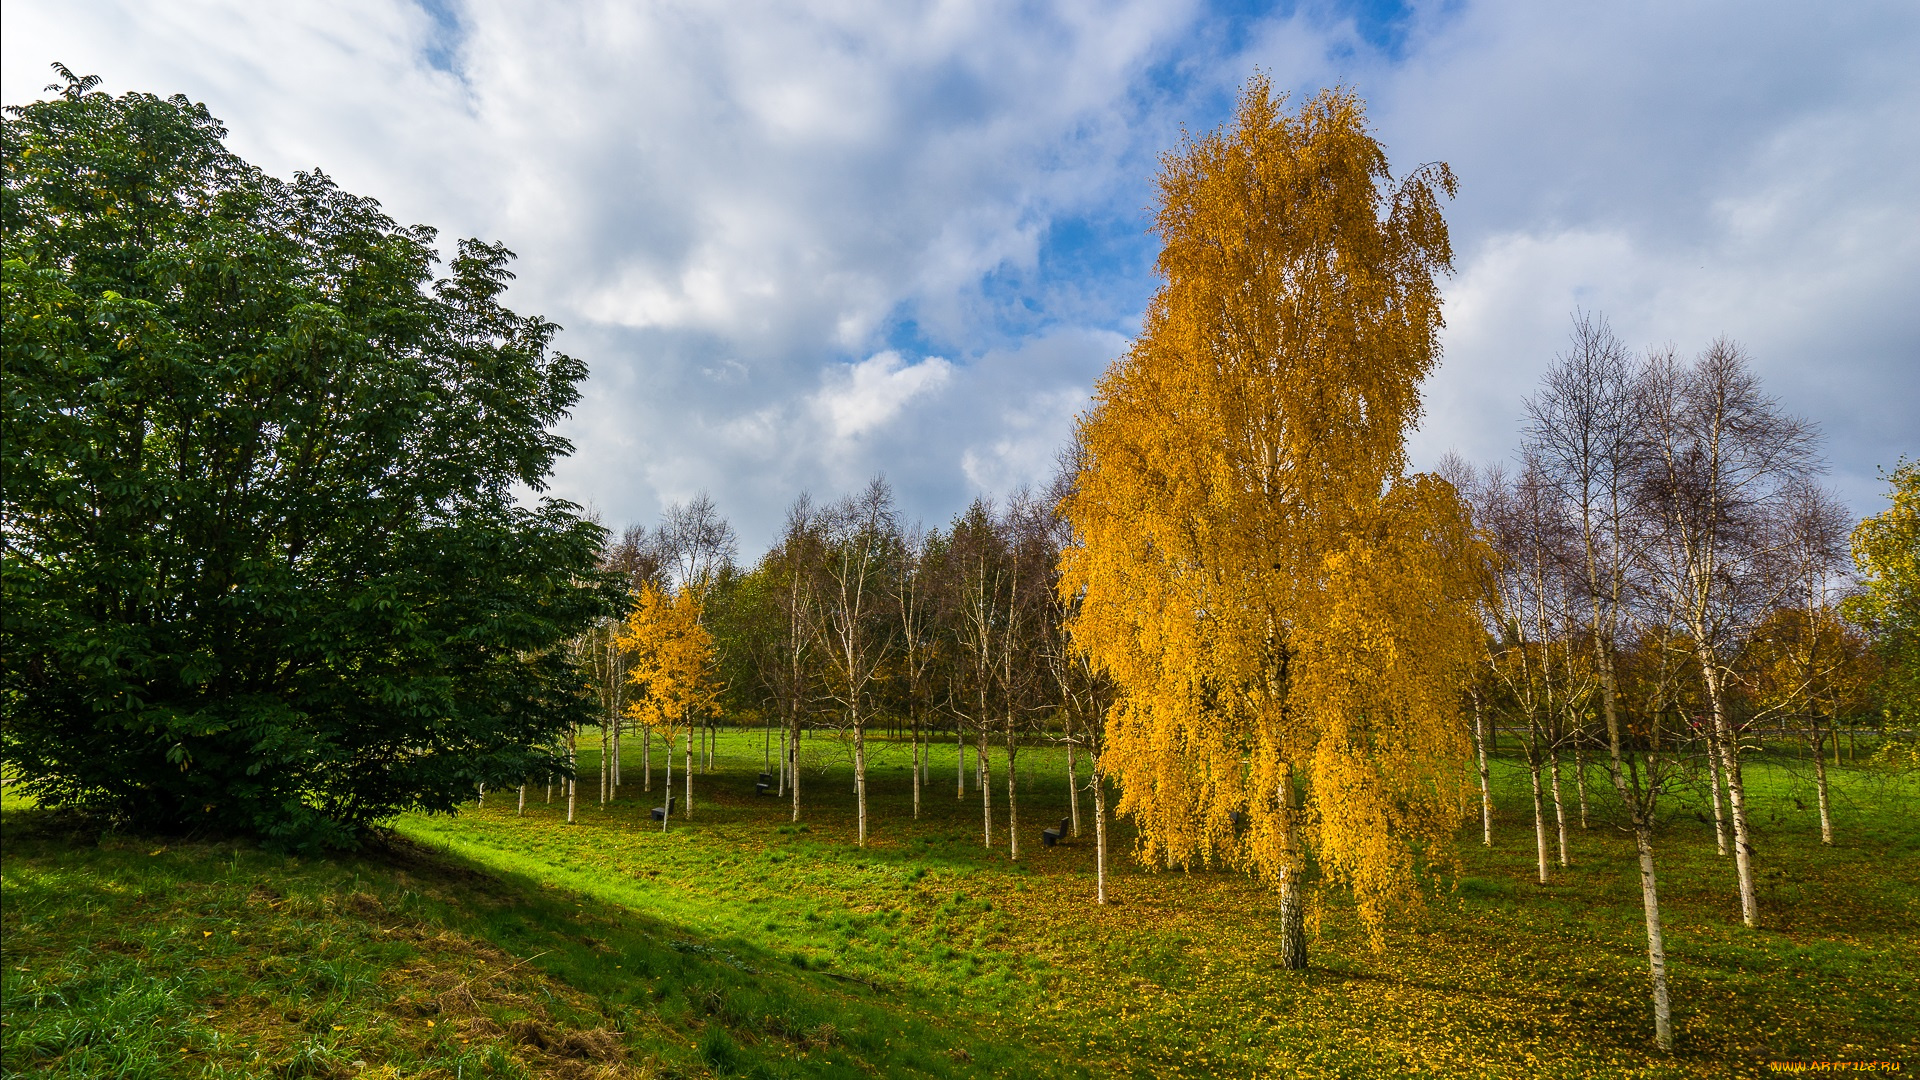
(765, 786)
(660, 812)
(1050, 837)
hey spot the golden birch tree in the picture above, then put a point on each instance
(671, 670)
(1286, 613)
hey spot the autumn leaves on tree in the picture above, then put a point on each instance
(671, 672)
(1286, 612)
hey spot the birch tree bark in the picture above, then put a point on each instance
(1718, 461)
(1581, 429)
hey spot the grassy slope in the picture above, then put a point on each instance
(740, 943)
(127, 957)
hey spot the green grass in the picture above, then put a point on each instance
(740, 944)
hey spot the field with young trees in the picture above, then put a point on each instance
(1240, 749)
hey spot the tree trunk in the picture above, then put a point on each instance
(1656, 945)
(688, 812)
(960, 765)
(1099, 832)
(646, 761)
(1073, 794)
(860, 776)
(913, 738)
(1013, 795)
(1713, 789)
(985, 776)
(1736, 791)
(1539, 803)
(1580, 776)
(481, 799)
(1293, 923)
(616, 757)
(1820, 787)
(666, 789)
(572, 772)
(793, 764)
(1559, 810)
(522, 808)
(1486, 790)
(606, 764)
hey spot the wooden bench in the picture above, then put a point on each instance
(1050, 837)
(660, 812)
(765, 786)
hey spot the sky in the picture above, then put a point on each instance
(799, 245)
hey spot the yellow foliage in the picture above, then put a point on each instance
(672, 670)
(1287, 614)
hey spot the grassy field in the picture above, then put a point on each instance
(499, 944)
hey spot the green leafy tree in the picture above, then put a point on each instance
(265, 567)
(1886, 548)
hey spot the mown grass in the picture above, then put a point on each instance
(741, 944)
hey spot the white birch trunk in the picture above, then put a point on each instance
(1559, 810)
(1737, 806)
(1293, 931)
(1820, 786)
(985, 776)
(1013, 795)
(793, 765)
(666, 790)
(1539, 805)
(1073, 794)
(860, 777)
(1580, 776)
(1656, 945)
(1099, 833)
(1713, 789)
(1486, 791)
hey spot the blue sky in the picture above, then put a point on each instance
(798, 245)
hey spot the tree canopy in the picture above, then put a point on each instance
(1286, 613)
(1886, 549)
(265, 563)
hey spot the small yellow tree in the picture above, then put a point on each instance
(1285, 613)
(671, 670)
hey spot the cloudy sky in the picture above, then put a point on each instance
(801, 244)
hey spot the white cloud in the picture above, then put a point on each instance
(860, 397)
(723, 201)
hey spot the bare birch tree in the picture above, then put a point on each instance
(1580, 431)
(862, 548)
(1717, 459)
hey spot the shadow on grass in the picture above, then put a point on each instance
(137, 956)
